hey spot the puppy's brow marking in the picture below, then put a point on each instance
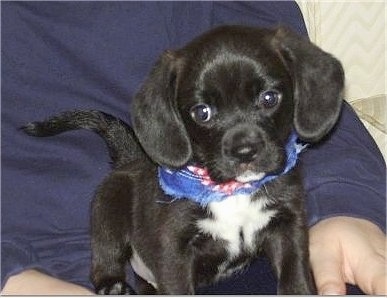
(225, 58)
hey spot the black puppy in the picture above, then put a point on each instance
(211, 180)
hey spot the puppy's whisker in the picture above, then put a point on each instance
(271, 200)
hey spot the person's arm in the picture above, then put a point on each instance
(23, 273)
(33, 282)
(345, 181)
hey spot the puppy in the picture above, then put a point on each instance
(210, 179)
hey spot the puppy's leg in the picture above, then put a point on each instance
(143, 287)
(176, 278)
(287, 248)
(175, 272)
(111, 213)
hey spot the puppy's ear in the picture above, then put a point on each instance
(318, 80)
(156, 120)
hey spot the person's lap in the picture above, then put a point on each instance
(78, 159)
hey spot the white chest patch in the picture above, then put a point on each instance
(236, 220)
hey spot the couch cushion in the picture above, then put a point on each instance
(372, 112)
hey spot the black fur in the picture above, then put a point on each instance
(259, 84)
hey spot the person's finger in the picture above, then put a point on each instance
(327, 274)
(347, 250)
(326, 264)
(372, 276)
(369, 272)
(379, 284)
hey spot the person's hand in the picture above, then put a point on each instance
(32, 282)
(348, 250)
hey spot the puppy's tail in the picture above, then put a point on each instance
(119, 137)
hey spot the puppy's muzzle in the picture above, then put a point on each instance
(243, 144)
(249, 154)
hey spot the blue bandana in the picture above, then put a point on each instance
(194, 183)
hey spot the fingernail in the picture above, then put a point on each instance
(330, 292)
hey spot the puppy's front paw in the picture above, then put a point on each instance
(114, 287)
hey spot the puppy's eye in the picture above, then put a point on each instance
(269, 99)
(201, 113)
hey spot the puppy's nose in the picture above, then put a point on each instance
(245, 153)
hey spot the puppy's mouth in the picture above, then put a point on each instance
(246, 172)
(242, 173)
(250, 176)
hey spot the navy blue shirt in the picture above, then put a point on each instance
(60, 56)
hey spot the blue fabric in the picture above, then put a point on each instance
(58, 56)
(194, 184)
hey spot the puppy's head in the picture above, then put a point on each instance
(229, 100)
